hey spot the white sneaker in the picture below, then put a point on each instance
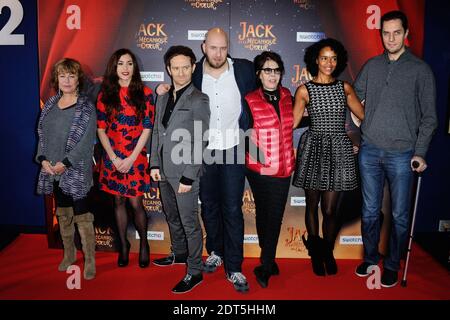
(238, 280)
(212, 262)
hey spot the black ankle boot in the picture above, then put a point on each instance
(262, 276)
(275, 271)
(330, 262)
(315, 251)
(144, 255)
(123, 259)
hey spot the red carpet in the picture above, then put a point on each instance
(29, 271)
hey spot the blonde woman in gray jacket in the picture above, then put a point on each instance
(66, 131)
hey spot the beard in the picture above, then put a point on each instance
(395, 49)
(216, 65)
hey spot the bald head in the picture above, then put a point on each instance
(215, 48)
(214, 34)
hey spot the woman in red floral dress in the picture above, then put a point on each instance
(125, 115)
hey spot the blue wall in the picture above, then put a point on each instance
(19, 101)
(434, 201)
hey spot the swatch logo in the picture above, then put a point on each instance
(197, 34)
(251, 238)
(350, 240)
(310, 36)
(153, 235)
(298, 202)
(152, 76)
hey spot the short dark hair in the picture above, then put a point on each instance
(67, 65)
(312, 53)
(392, 15)
(176, 51)
(260, 59)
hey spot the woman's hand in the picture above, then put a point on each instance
(59, 168)
(117, 162)
(47, 167)
(125, 165)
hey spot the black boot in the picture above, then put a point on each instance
(314, 246)
(330, 262)
(262, 276)
(274, 270)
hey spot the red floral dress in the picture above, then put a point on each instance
(123, 134)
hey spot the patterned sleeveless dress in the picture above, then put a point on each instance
(325, 159)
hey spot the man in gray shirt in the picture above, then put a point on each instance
(400, 118)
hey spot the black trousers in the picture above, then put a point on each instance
(62, 200)
(270, 194)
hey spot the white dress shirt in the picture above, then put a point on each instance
(225, 105)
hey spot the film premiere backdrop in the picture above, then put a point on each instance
(90, 31)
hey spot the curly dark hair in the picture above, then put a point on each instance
(312, 53)
(110, 86)
(259, 61)
(67, 65)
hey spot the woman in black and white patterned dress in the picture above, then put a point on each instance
(326, 164)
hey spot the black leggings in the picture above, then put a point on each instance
(62, 200)
(140, 220)
(270, 194)
(328, 203)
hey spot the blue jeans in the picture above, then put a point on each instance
(376, 165)
(221, 192)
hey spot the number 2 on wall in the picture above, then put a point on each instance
(6, 36)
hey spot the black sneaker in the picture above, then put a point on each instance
(389, 278)
(170, 260)
(362, 269)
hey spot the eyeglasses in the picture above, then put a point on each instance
(276, 71)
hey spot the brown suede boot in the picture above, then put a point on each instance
(87, 235)
(67, 230)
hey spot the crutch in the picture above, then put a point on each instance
(415, 164)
